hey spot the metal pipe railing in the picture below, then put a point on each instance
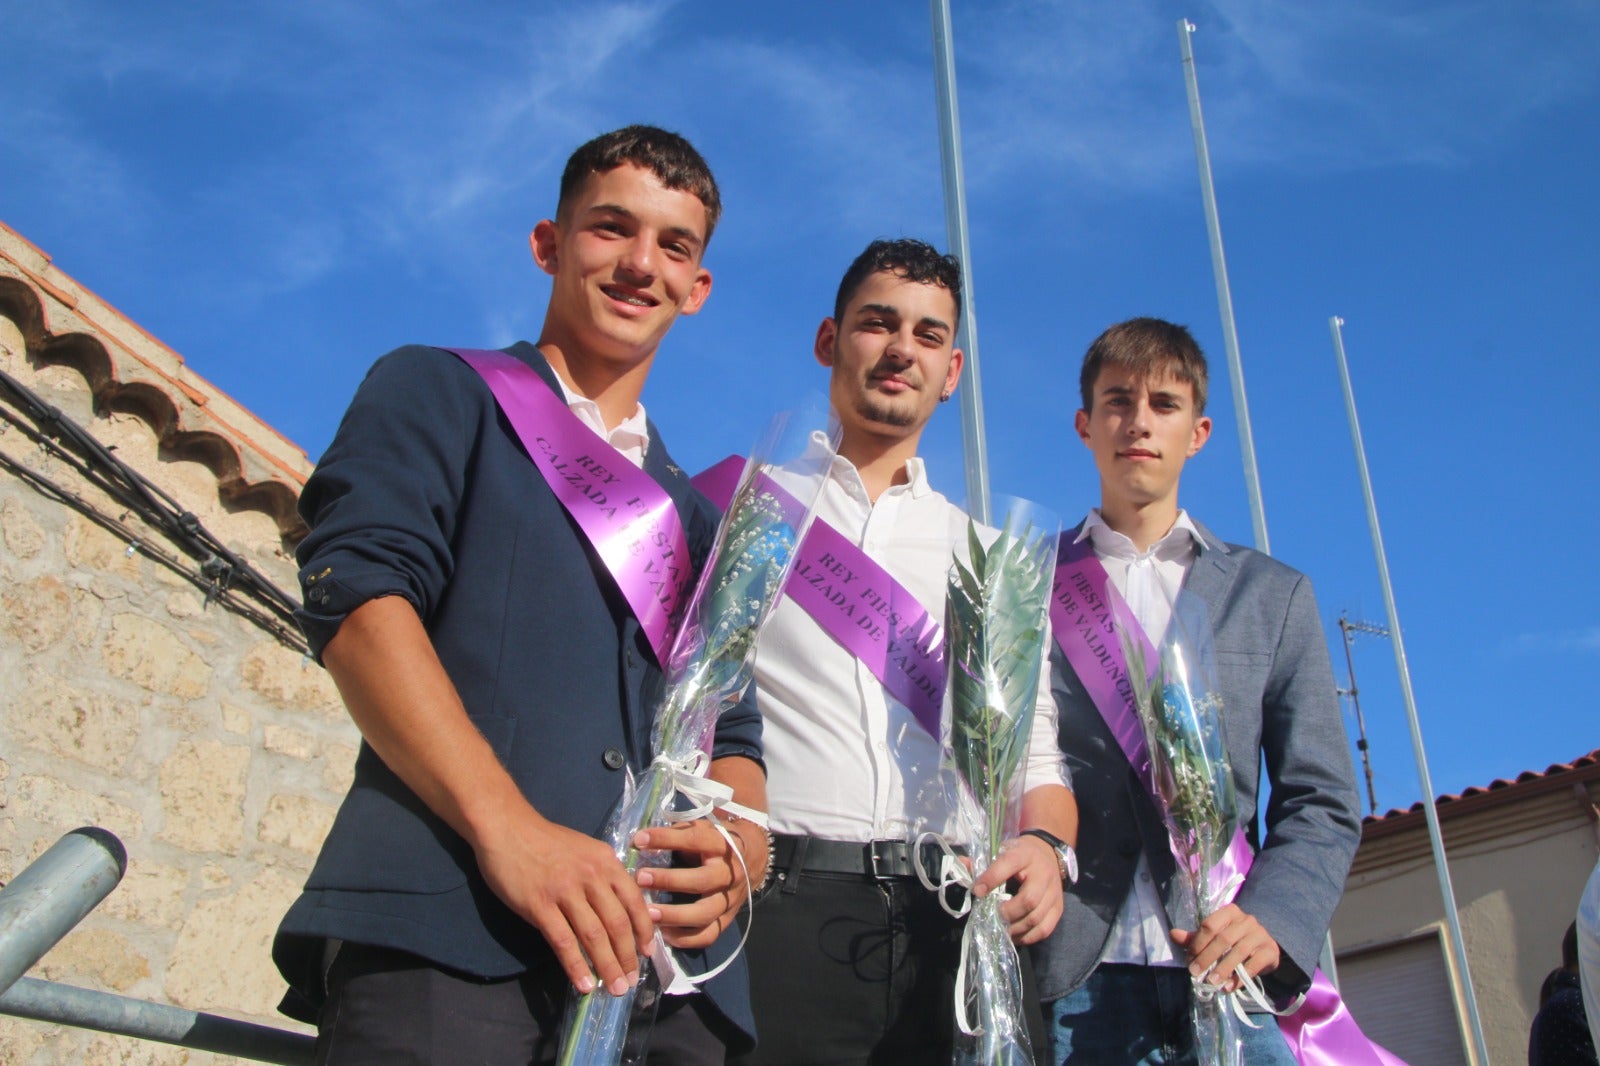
(53, 894)
(49, 1001)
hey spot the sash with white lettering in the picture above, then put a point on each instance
(858, 604)
(1321, 1032)
(629, 519)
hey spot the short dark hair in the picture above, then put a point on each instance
(670, 157)
(1551, 985)
(1145, 347)
(907, 257)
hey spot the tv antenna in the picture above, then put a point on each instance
(1346, 628)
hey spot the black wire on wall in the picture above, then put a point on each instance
(226, 578)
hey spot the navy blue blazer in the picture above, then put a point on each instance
(1279, 706)
(426, 493)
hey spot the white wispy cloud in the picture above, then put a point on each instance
(1425, 84)
(1096, 90)
(849, 137)
(317, 132)
(1571, 640)
(421, 119)
(56, 154)
(522, 93)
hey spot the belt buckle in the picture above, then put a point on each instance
(881, 859)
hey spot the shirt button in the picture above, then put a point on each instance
(1145, 878)
(613, 758)
(633, 660)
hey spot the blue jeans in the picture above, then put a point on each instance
(1139, 1016)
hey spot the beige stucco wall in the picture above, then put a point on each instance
(213, 751)
(1517, 868)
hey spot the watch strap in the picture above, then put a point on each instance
(1066, 857)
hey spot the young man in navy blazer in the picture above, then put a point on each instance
(499, 676)
(1115, 975)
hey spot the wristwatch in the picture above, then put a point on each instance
(1066, 858)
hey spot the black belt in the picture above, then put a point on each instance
(876, 859)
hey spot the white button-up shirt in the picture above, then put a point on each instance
(631, 436)
(1149, 581)
(845, 759)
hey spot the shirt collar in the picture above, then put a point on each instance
(1179, 541)
(845, 471)
(633, 430)
(916, 485)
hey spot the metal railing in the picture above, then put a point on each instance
(44, 902)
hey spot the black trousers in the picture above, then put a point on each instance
(389, 1008)
(848, 969)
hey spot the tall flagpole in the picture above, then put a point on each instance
(1452, 919)
(1230, 343)
(1219, 268)
(970, 393)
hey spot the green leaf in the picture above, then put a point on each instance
(995, 615)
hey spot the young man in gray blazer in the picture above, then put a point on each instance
(1115, 976)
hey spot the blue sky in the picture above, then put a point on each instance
(283, 192)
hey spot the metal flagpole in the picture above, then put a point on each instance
(1457, 944)
(1230, 344)
(1219, 268)
(970, 394)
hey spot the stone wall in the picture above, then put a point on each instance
(215, 752)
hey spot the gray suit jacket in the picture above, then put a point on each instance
(1279, 705)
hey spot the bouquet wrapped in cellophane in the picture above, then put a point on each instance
(995, 631)
(707, 669)
(1181, 712)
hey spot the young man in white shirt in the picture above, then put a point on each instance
(1115, 976)
(852, 960)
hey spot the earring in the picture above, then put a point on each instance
(944, 397)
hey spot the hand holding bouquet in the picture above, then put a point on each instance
(1180, 710)
(707, 670)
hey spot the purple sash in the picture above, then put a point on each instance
(627, 517)
(860, 605)
(1080, 615)
(1321, 1032)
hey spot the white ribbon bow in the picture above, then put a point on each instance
(687, 777)
(953, 871)
(1250, 988)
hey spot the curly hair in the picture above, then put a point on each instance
(911, 259)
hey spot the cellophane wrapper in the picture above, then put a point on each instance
(710, 664)
(1180, 708)
(995, 630)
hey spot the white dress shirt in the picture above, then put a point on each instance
(845, 759)
(1149, 581)
(1589, 951)
(631, 436)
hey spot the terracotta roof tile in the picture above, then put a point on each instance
(1524, 781)
(127, 369)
